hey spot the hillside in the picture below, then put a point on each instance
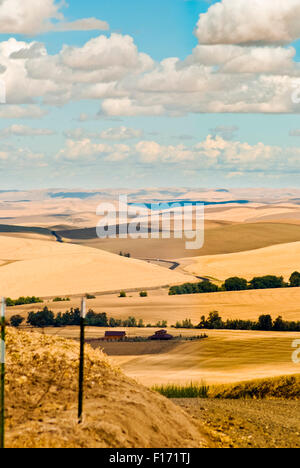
(245, 305)
(42, 393)
(281, 260)
(224, 357)
(221, 237)
(43, 268)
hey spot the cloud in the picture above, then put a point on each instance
(21, 157)
(121, 133)
(35, 16)
(227, 132)
(86, 24)
(218, 154)
(116, 133)
(23, 130)
(87, 149)
(21, 112)
(150, 151)
(111, 70)
(250, 22)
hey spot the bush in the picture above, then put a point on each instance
(23, 301)
(188, 391)
(16, 321)
(161, 324)
(193, 288)
(90, 296)
(130, 322)
(235, 284)
(60, 299)
(123, 294)
(185, 324)
(143, 294)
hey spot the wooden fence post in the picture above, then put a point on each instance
(2, 378)
(81, 362)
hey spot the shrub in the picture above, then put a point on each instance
(161, 324)
(23, 301)
(130, 322)
(185, 324)
(188, 391)
(90, 296)
(193, 288)
(143, 294)
(16, 321)
(60, 299)
(123, 294)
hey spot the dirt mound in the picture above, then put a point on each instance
(41, 396)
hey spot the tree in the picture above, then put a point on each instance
(41, 319)
(295, 280)
(235, 284)
(96, 320)
(265, 322)
(279, 324)
(214, 320)
(267, 282)
(16, 321)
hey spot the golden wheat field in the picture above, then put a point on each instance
(246, 305)
(221, 237)
(280, 260)
(42, 268)
(226, 356)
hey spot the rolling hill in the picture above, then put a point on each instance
(43, 268)
(280, 260)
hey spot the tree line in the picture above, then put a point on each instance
(237, 284)
(46, 318)
(264, 323)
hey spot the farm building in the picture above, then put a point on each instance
(161, 335)
(115, 335)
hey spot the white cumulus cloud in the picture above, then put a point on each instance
(250, 21)
(37, 16)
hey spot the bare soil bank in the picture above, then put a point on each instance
(248, 423)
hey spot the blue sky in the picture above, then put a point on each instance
(172, 108)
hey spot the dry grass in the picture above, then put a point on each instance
(51, 269)
(220, 238)
(285, 387)
(246, 305)
(41, 395)
(280, 260)
(224, 357)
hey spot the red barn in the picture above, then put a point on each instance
(161, 335)
(114, 335)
